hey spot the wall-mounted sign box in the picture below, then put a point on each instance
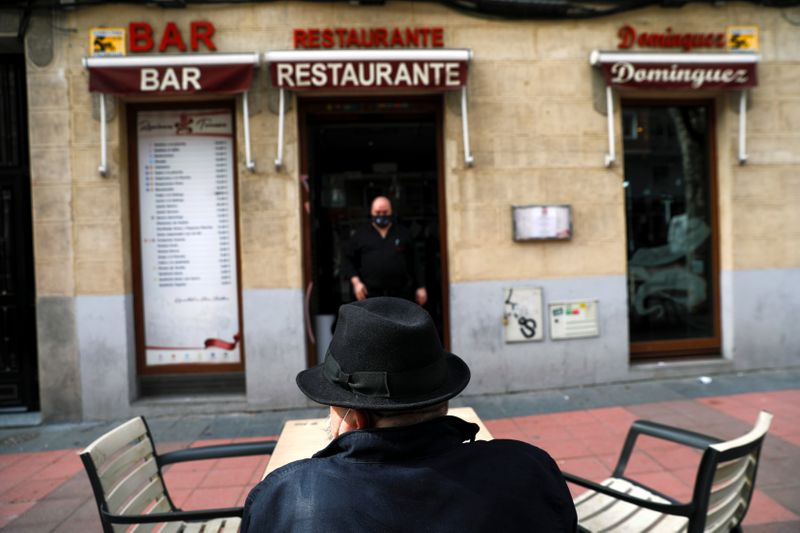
(188, 236)
(107, 42)
(522, 316)
(742, 38)
(542, 222)
(574, 319)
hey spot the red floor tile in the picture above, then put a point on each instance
(614, 415)
(666, 483)
(503, 428)
(184, 479)
(641, 462)
(11, 511)
(31, 491)
(677, 457)
(237, 463)
(210, 498)
(586, 467)
(563, 449)
(63, 468)
(238, 477)
(179, 496)
(765, 510)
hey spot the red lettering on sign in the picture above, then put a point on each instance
(202, 31)
(352, 38)
(438, 37)
(341, 33)
(380, 37)
(140, 37)
(397, 37)
(300, 38)
(313, 38)
(171, 37)
(327, 38)
(425, 32)
(627, 36)
(687, 41)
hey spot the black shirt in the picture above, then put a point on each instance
(382, 263)
(422, 478)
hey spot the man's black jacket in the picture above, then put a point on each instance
(383, 263)
(415, 478)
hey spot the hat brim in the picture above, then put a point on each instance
(314, 385)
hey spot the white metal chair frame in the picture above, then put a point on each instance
(126, 477)
(723, 486)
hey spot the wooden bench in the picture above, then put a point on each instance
(723, 486)
(126, 476)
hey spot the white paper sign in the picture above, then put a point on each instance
(534, 222)
(573, 320)
(522, 316)
(188, 239)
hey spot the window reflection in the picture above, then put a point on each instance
(668, 222)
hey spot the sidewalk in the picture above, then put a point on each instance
(43, 486)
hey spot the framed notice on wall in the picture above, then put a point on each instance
(574, 319)
(542, 222)
(189, 300)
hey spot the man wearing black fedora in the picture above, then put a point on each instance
(397, 462)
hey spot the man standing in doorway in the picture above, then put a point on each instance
(380, 259)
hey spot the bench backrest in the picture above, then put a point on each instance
(728, 475)
(125, 475)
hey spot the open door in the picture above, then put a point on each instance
(353, 151)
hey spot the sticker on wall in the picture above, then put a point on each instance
(574, 319)
(742, 38)
(522, 316)
(107, 42)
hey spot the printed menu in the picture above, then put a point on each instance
(188, 237)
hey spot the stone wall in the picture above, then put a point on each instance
(537, 136)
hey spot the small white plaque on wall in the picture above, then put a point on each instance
(522, 316)
(573, 319)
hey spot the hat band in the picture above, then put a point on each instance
(387, 384)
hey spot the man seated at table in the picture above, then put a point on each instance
(397, 462)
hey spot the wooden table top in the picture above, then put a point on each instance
(303, 438)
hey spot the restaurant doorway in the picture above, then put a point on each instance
(19, 380)
(672, 238)
(353, 151)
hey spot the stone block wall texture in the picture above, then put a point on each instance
(535, 134)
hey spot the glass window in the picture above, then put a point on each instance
(671, 268)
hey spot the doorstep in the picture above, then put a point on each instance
(698, 366)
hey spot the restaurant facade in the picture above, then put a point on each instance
(593, 200)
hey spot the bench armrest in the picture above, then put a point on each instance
(679, 509)
(660, 431)
(265, 447)
(174, 516)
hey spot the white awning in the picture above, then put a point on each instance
(171, 75)
(677, 71)
(357, 70)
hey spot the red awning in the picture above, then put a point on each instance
(165, 75)
(355, 70)
(631, 70)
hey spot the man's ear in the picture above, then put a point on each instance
(360, 419)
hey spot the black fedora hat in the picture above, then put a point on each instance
(385, 355)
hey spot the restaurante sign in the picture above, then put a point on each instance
(369, 37)
(299, 70)
(364, 75)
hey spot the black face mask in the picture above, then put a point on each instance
(382, 220)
